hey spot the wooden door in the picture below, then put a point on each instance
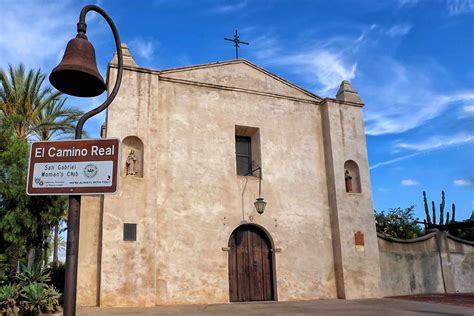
(250, 265)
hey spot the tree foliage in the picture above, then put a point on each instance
(23, 95)
(28, 110)
(16, 222)
(398, 223)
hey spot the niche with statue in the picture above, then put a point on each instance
(352, 177)
(132, 157)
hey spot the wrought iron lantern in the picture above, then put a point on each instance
(260, 205)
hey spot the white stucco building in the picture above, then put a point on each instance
(183, 228)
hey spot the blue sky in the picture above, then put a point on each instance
(411, 61)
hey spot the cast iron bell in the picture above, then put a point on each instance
(77, 74)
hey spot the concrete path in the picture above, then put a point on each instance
(368, 307)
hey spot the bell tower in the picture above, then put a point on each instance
(356, 254)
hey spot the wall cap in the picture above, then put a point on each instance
(407, 241)
(462, 241)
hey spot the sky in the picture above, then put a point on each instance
(411, 61)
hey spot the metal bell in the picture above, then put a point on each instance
(77, 74)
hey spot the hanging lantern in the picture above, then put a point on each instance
(260, 205)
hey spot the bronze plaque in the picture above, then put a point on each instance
(359, 238)
(73, 167)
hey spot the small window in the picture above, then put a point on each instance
(243, 150)
(247, 150)
(129, 232)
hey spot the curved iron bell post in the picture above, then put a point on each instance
(77, 75)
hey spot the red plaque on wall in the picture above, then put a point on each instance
(359, 238)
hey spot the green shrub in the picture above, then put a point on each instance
(8, 298)
(52, 299)
(34, 298)
(32, 293)
(34, 274)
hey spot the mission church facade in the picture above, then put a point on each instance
(183, 228)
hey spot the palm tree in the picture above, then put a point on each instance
(22, 95)
(54, 120)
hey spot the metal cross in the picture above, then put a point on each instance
(236, 43)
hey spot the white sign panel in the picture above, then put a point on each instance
(78, 174)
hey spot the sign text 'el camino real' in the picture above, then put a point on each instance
(88, 166)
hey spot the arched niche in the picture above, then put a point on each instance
(132, 157)
(352, 177)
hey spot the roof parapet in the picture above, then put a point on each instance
(347, 93)
(127, 57)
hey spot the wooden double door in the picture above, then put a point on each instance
(250, 265)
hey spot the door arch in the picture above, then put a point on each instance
(250, 265)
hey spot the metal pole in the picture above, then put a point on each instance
(72, 246)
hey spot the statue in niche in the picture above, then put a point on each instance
(348, 181)
(130, 163)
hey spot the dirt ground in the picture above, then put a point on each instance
(367, 307)
(452, 299)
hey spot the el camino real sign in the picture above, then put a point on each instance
(73, 167)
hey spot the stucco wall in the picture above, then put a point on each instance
(190, 199)
(410, 268)
(462, 263)
(421, 266)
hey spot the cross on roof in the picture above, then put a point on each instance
(236, 43)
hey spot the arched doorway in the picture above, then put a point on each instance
(250, 265)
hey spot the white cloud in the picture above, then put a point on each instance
(409, 182)
(323, 67)
(142, 47)
(225, 8)
(454, 7)
(392, 161)
(322, 64)
(264, 46)
(423, 148)
(407, 3)
(469, 109)
(463, 183)
(438, 142)
(399, 30)
(457, 7)
(33, 32)
(399, 98)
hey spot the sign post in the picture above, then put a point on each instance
(73, 167)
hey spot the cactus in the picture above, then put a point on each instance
(427, 213)
(442, 221)
(441, 209)
(434, 212)
(454, 213)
